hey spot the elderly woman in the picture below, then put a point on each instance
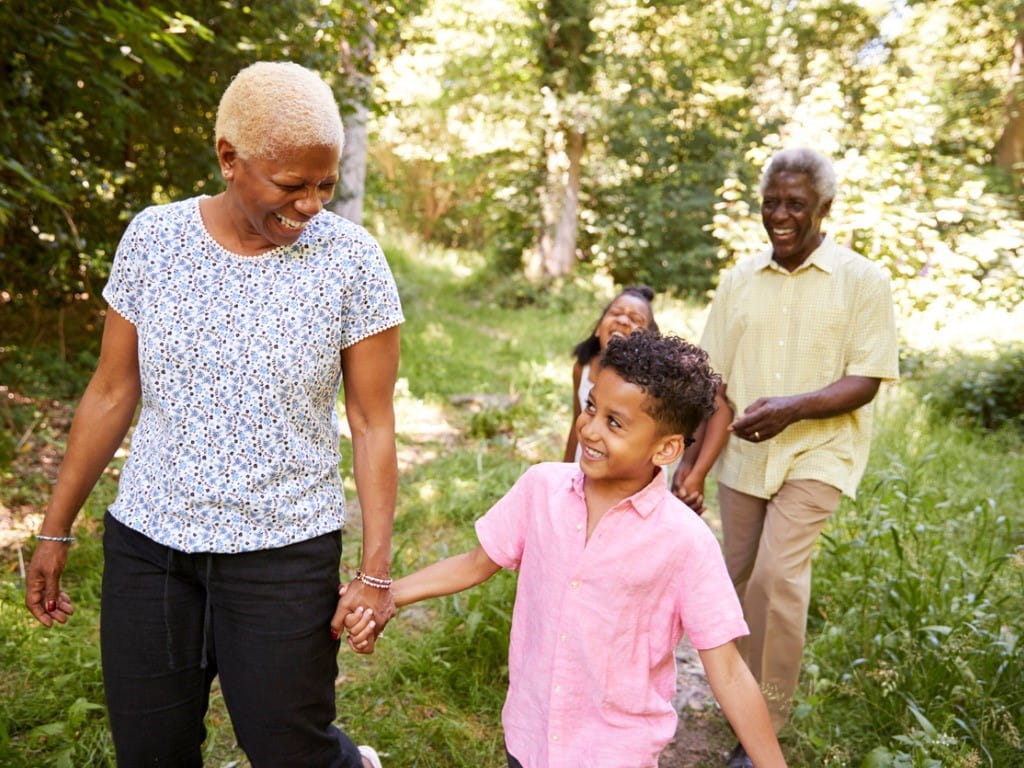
(237, 318)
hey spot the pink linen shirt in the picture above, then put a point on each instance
(595, 624)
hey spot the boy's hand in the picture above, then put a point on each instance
(360, 626)
(358, 623)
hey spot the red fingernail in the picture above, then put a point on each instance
(334, 634)
(51, 606)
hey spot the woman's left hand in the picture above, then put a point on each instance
(356, 595)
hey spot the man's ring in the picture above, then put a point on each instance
(757, 435)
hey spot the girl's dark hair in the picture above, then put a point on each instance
(590, 347)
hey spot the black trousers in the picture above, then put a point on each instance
(512, 762)
(172, 621)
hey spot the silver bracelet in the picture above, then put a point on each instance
(61, 539)
(373, 581)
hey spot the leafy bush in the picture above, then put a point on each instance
(119, 117)
(985, 391)
(914, 656)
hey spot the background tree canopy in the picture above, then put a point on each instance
(107, 107)
(684, 103)
(623, 137)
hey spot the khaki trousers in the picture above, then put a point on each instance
(767, 545)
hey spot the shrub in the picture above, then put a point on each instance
(985, 391)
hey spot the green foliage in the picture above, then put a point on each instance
(987, 391)
(51, 689)
(564, 36)
(107, 107)
(914, 656)
(910, 125)
(683, 104)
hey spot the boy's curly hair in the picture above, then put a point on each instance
(675, 375)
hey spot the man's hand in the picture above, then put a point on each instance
(765, 418)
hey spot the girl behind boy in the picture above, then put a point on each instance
(630, 311)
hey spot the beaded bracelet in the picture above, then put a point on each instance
(61, 539)
(373, 581)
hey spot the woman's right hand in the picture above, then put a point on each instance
(43, 596)
(101, 421)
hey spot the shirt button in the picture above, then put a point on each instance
(574, 584)
(558, 689)
(579, 527)
(554, 737)
(562, 637)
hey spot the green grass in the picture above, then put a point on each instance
(914, 657)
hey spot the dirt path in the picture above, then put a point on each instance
(703, 738)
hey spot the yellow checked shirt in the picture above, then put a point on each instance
(771, 333)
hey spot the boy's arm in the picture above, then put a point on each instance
(446, 577)
(740, 698)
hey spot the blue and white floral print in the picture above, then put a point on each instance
(236, 447)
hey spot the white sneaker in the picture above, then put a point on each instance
(370, 754)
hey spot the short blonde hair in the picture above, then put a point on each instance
(272, 107)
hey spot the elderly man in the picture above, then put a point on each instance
(803, 335)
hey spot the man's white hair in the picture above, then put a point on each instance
(803, 160)
(270, 108)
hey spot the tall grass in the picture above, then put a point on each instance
(913, 656)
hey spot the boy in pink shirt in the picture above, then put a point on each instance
(613, 569)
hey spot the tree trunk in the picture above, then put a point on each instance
(1010, 146)
(567, 70)
(355, 63)
(353, 165)
(562, 256)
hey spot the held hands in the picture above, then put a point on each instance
(43, 596)
(688, 487)
(359, 612)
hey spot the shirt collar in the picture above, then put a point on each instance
(643, 501)
(823, 257)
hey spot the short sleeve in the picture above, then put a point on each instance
(373, 304)
(873, 349)
(707, 600)
(123, 291)
(714, 338)
(502, 531)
